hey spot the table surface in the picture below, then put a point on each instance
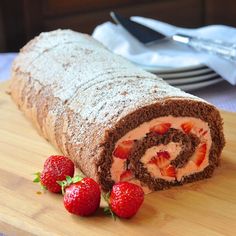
(206, 207)
(222, 95)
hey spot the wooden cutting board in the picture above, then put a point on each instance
(206, 207)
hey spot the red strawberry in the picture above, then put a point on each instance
(169, 171)
(82, 198)
(56, 168)
(161, 159)
(161, 128)
(153, 160)
(187, 126)
(125, 199)
(123, 149)
(200, 154)
(126, 176)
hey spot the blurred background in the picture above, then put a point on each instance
(20, 20)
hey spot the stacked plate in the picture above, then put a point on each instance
(187, 78)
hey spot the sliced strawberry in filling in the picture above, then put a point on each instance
(160, 128)
(161, 159)
(123, 149)
(187, 127)
(168, 171)
(126, 176)
(200, 154)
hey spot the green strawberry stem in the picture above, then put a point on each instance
(37, 180)
(37, 177)
(107, 210)
(68, 181)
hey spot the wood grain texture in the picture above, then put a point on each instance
(203, 208)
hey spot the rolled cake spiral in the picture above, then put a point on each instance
(114, 120)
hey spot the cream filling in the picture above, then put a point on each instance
(118, 165)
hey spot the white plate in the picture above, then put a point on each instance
(185, 73)
(194, 86)
(190, 80)
(156, 69)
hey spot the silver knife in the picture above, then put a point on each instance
(149, 36)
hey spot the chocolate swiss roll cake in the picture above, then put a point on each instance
(114, 120)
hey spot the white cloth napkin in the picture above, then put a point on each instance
(5, 65)
(168, 54)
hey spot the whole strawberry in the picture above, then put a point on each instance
(125, 199)
(56, 168)
(81, 198)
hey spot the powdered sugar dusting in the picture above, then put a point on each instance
(92, 80)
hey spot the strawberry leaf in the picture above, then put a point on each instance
(106, 197)
(76, 179)
(113, 215)
(63, 184)
(69, 180)
(37, 177)
(37, 180)
(43, 187)
(107, 210)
